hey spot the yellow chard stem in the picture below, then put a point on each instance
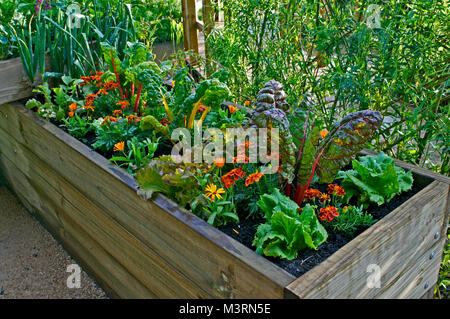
(190, 123)
(166, 106)
(205, 112)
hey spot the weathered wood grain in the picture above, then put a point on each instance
(14, 83)
(224, 267)
(397, 244)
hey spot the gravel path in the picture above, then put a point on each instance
(32, 263)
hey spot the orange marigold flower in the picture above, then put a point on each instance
(164, 121)
(117, 112)
(123, 104)
(110, 85)
(247, 103)
(119, 147)
(241, 158)
(90, 98)
(89, 107)
(71, 114)
(73, 107)
(97, 76)
(324, 198)
(232, 109)
(255, 177)
(312, 193)
(229, 178)
(335, 189)
(102, 91)
(86, 80)
(201, 108)
(323, 133)
(219, 162)
(109, 119)
(328, 213)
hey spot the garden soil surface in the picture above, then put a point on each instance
(32, 263)
(308, 259)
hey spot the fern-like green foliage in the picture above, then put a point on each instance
(375, 179)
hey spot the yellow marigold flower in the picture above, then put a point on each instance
(212, 192)
(119, 147)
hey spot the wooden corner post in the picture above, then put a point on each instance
(190, 25)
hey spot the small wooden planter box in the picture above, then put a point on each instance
(147, 249)
(14, 83)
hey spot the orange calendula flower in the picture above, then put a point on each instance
(323, 133)
(247, 103)
(335, 189)
(219, 162)
(119, 147)
(255, 177)
(312, 193)
(232, 109)
(212, 192)
(123, 104)
(328, 213)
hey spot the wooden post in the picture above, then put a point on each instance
(208, 24)
(190, 25)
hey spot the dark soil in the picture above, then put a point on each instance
(308, 259)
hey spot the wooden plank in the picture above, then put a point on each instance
(114, 278)
(190, 25)
(219, 264)
(398, 240)
(132, 254)
(14, 83)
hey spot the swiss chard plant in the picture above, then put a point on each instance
(304, 149)
(375, 179)
(286, 232)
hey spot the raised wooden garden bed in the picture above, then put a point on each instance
(137, 248)
(14, 83)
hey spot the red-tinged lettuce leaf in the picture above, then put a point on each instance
(345, 139)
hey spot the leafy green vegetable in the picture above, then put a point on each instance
(375, 179)
(286, 232)
(178, 181)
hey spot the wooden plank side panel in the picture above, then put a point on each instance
(214, 261)
(14, 83)
(131, 253)
(115, 279)
(395, 244)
